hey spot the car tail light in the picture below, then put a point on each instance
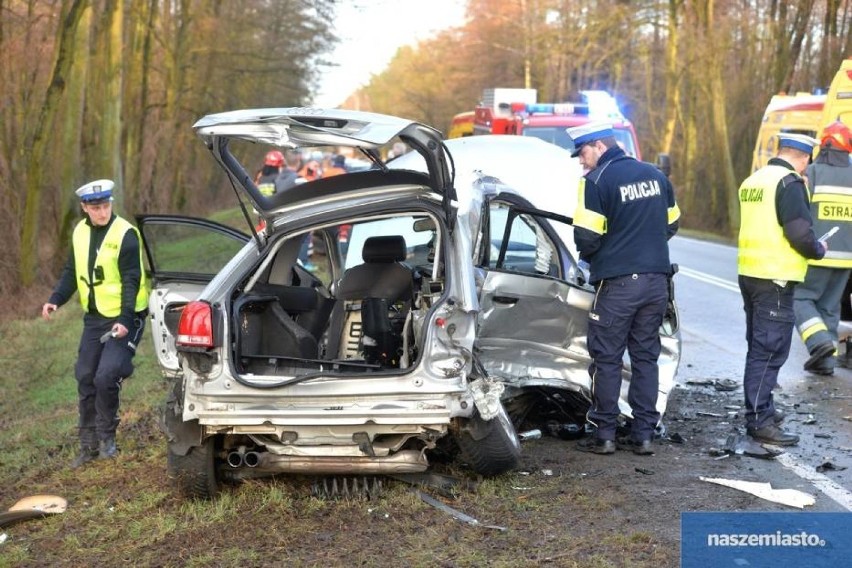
(195, 328)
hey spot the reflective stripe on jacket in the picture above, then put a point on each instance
(266, 184)
(831, 206)
(764, 251)
(108, 288)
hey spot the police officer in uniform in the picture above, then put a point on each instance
(776, 239)
(105, 267)
(816, 301)
(626, 213)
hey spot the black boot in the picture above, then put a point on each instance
(88, 447)
(772, 434)
(87, 454)
(107, 448)
(821, 361)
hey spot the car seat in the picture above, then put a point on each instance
(378, 294)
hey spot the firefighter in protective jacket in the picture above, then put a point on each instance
(816, 301)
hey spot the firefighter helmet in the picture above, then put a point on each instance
(274, 158)
(839, 135)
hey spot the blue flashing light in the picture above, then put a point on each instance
(602, 105)
(540, 108)
(557, 108)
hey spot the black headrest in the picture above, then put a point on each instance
(384, 249)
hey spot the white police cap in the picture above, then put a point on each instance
(100, 190)
(799, 142)
(586, 133)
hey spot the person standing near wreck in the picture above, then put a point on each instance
(626, 213)
(816, 301)
(105, 267)
(776, 239)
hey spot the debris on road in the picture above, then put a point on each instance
(446, 485)
(828, 466)
(568, 431)
(455, 513)
(726, 385)
(529, 435)
(718, 384)
(739, 445)
(701, 382)
(790, 497)
(644, 471)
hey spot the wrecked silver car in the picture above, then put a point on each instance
(374, 318)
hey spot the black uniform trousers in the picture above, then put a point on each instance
(99, 371)
(769, 332)
(627, 314)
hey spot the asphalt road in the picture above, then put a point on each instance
(713, 332)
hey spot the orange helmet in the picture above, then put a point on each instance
(274, 158)
(838, 135)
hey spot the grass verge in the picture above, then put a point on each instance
(124, 511)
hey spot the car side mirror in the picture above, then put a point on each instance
(664, 164)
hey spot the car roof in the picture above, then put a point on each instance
(541, 172)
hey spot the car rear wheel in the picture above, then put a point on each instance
(490, 446)
(195, 473)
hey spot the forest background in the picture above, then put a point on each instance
(95, 89)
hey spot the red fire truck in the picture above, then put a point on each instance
(515, 111)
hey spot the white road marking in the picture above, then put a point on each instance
(831, 489)
(828, 487)
(709, 279)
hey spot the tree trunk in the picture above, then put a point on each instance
(111, 125)
(672, 87)
(143, 16)
(800, 28)
(74, 106)
(44, 123)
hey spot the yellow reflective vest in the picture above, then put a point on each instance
(107, 285)
(764, 251)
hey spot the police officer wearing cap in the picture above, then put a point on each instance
(626, 213)
(775, 242)
(105, 268)
(816, 301)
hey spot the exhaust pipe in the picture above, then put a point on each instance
(406, 461)
(235, 459)
(251, 459)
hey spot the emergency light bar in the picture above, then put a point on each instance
(557, 108)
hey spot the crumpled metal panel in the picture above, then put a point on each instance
(540, 339)
(546, 311)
